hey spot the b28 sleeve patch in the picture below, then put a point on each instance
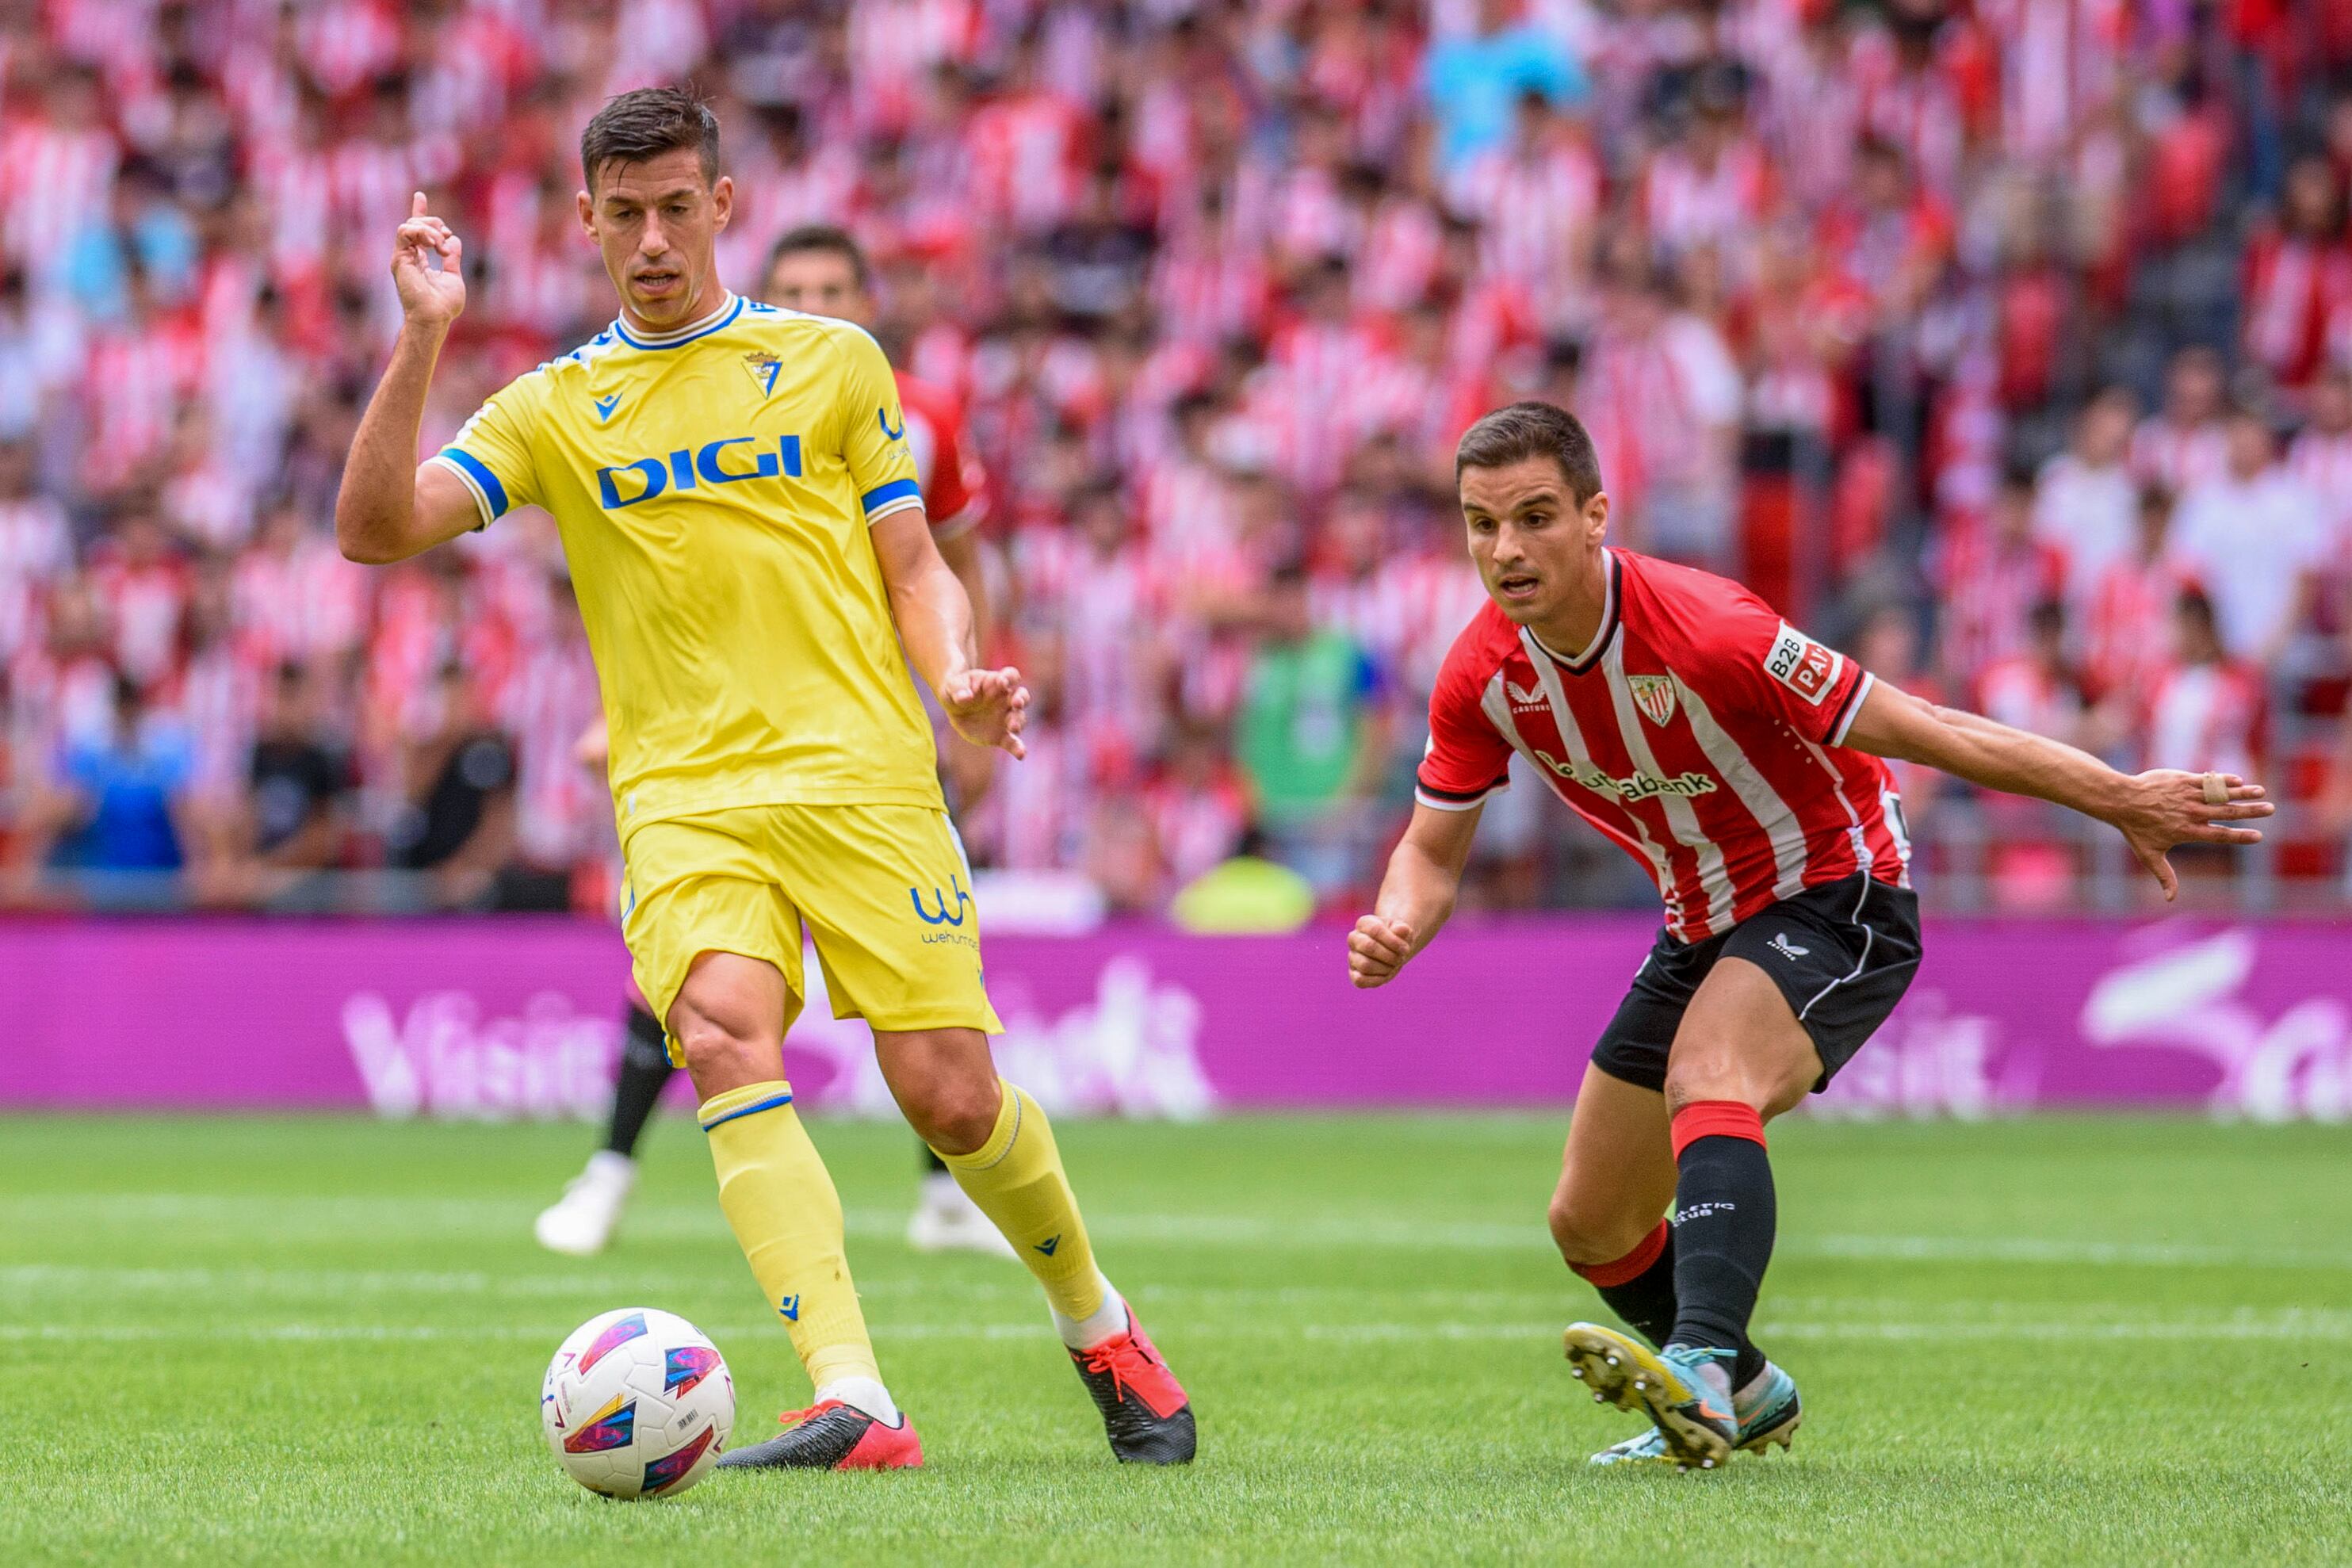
(1802, 665)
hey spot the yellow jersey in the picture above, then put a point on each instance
(713, 487)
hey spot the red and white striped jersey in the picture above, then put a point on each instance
(1699, 730)
(955, 485)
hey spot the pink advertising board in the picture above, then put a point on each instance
(517, 1017)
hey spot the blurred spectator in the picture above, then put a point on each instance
(2183, 444)
(1310, 736)
(119, 795)
(297, 780)
(458, 821)
(2085, 502)
(2129, 624)
(1475, 76)
(1993, 574)
(2252, 536)
(2206, 713)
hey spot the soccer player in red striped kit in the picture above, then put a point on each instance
(1739, 760)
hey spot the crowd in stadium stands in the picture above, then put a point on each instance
(2004, 342)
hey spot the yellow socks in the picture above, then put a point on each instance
(787, 1218)
(1016, 1179)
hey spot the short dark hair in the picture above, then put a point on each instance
(1533, 429)
(826, 238)
(634, 126)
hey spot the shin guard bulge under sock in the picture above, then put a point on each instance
(1016, 1178)
(786, 1216)
(1724, 1221)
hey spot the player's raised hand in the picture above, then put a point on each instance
(1377, 949)
(987, 707)
(427, 262)
(2166, 806)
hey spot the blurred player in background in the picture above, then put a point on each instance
(746, 538)
(1739, 762)
(820, 269)
(581, 1223)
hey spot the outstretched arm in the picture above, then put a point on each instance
(1416, 896)
(2153, 811)
(987, 707)
(390, 507)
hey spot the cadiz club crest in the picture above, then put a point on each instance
(763, 367)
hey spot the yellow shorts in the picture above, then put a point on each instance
(882, 889)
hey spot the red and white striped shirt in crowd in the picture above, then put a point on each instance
(1024, 152)
(2295, 287)
(370, 181)
(2023, 693)
(2206, 718)
(2127, 627)
(1535, 213)
(302, 604)
(560, 806)
(345, 43)
(131, 387)
(295, 187)
(1405, 614)
(1722, 203)
(1700, 732)
(895, 44)
(1209, 292)
(1399, 259)
(146, 603)
(2178, 457)
(55, 181)
(2058, 66)
(1990, 588)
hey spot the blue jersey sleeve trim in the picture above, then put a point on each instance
(892, 495)
(486, 484)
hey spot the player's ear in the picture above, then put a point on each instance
(585, 206)
(1596, 516)
(722, 202)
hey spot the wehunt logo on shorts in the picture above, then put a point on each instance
(963, 900)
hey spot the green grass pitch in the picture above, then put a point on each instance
(319, 1342)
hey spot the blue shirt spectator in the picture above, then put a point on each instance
(1476, 80)
(127, 785)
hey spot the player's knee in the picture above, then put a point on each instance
(955, 1112)
(1589, 1233)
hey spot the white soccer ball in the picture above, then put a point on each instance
(637, 1403)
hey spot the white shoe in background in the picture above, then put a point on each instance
(582, 1220)
(947, 1220)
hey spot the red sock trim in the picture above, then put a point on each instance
(1628, 1269)
(1714, 1119)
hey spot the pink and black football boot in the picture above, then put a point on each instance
(832, 1436)
(1144, 1409)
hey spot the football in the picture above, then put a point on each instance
(638, 1403)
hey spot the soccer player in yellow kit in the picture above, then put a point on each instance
(741, 514)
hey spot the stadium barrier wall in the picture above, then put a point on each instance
(518, 1017)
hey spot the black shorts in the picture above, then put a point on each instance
(1842, 953)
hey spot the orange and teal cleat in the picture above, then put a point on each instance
(1768, 1412)
(1672, 1387)
(1145, 1412)
(832, 1435)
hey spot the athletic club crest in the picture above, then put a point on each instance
(1654, 695)
(763, 366)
